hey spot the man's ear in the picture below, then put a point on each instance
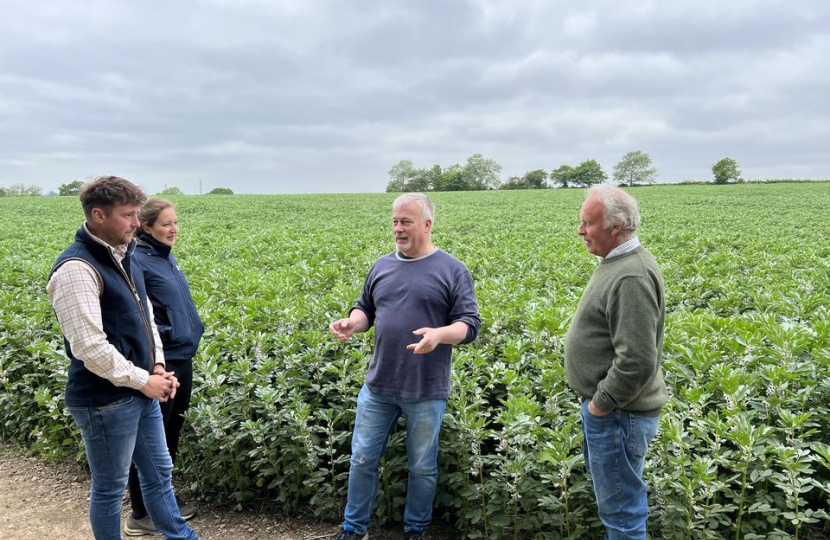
(616, 230)
(98, 215)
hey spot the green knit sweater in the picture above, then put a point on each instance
(614, 343)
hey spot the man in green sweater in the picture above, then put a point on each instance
(612, 359)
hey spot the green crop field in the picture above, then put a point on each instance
(742, 448)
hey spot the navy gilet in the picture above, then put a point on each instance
(125, 318)
(177, 320)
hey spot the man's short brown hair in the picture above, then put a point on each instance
(105, 192)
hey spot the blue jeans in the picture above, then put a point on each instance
(129, 429)
(615, 447)
(376, 417)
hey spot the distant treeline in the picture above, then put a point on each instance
(635, 168)
(20, 190)
(760, 181)
(74, 189)
(484, 173)
(480, 173)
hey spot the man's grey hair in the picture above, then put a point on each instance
(426, 204)
(620, 207)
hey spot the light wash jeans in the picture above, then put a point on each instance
(615, 447)
(376, 416)
(129, 429)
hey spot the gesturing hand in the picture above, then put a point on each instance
(430, 339)
(342, 329)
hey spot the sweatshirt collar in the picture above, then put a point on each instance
(401, 257)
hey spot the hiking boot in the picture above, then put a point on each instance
(349, 535)
(187, 510)
(423, 534)
(140, 527)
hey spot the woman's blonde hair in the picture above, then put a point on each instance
(150, 211)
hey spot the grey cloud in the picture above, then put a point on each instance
(263, 93)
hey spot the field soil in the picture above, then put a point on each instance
(44, 500)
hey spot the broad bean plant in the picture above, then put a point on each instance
(742, 449)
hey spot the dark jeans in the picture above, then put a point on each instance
(172, 414)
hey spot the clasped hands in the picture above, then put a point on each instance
(161, 385)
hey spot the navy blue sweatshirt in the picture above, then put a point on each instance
(401, 295)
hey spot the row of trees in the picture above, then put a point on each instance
(635, 168)
(173, 190)
(477, 174)
(587, 173)
(74, 188)
(20, 190)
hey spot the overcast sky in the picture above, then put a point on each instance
(269, 96)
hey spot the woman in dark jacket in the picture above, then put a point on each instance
(180, 330)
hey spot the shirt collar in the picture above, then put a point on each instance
(119, 252)
(629, 245)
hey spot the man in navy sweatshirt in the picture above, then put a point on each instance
(422, 302)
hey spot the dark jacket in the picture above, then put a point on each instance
(124, 313)
(175, 313)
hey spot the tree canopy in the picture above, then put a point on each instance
(21, 190)
(220, 191)
(586, 174)
(477, 174)
(635, 168)
(726, 171)
(589, 173)
(562, 176)
(173, 190)
(536, 179)
(70, 188)
(481, 173)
